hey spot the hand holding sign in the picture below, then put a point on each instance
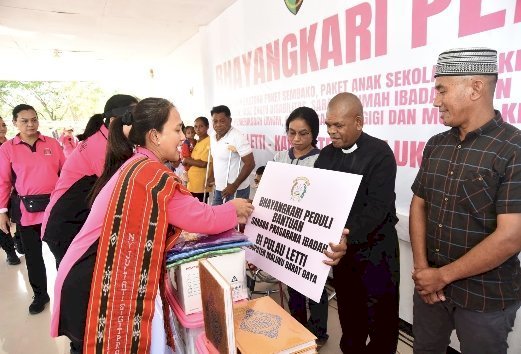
(337, 250)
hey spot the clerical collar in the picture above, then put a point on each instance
(350, 150)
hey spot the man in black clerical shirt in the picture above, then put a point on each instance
(367, 278)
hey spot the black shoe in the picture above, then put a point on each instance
(38, 304)
(321, 341)
(18, 245)
(12, 258)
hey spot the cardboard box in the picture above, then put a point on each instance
(187, 289)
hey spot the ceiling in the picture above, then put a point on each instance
(37, 33)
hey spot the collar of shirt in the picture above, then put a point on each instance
(18, 140)
(496, 122)
(312, 152)
(221, 137)
(350, 150)
(355, 146)
(104, 131)
(144, 151)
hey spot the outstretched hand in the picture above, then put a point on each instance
(243, 207)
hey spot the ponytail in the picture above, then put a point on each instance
(150, 113)
(93, 125)
(119, 150)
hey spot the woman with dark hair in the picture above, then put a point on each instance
(31, 163)
(302, 128)
(69, 208)
(109, 289)
(198, 161)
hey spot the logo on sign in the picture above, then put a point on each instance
(293, 5)
(299, 188)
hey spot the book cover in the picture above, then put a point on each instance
(216, 295)
(263, 327)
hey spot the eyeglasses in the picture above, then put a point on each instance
(302, 133)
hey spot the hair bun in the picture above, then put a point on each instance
(127, 118)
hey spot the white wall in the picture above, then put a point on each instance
(180, 79)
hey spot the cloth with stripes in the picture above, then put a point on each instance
(130, 263)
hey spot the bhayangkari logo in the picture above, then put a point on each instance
(293, 5)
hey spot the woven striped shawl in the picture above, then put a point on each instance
(130, 263)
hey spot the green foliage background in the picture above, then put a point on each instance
(58, 103)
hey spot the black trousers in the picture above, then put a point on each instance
(318, 312)
(6, 242)
(33, 258)
(367, 283)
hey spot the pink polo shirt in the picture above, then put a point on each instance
(183, 211)
(87, 160)
(36, 169)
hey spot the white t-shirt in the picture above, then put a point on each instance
(221, 155)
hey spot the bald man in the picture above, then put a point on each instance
(366, 279)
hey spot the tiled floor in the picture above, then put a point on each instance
(22, 333)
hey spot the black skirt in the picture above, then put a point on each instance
(75, 296)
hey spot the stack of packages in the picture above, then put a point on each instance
(191, 246)
(225, 252)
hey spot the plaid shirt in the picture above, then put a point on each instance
(465, 185)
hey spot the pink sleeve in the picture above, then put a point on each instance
(188, 213)
(5, 178)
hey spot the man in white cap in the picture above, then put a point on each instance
(465, 218)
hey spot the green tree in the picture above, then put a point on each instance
(55, 101)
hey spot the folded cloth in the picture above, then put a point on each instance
(176, 256)
(202, 255)
(188, 241)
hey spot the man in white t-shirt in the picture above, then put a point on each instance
(229, 147)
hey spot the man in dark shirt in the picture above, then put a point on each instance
(465, 217)
(366, 279)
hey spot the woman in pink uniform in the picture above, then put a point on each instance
(31, 163)
(68, 141)
(111, 278)
(69, 208)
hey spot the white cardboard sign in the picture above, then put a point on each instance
(298, 211)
